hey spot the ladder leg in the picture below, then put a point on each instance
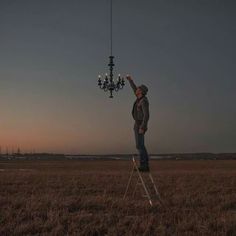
(143, 183)
(127, 187)
(135, 188)
(145, 189)
(155, 188)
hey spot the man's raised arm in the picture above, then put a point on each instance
(131, 82)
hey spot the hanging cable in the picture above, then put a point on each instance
(111, 27)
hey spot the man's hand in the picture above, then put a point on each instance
(132, 84)
(128, 77)
(141, 131)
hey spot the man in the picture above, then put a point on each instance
(140, 113)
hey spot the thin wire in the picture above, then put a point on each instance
(111, 28)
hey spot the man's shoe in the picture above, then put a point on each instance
(144, 169)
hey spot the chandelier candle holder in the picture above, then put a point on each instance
(108, 84)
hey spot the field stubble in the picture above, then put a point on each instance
(85, 198)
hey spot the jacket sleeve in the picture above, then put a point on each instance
(133, 85)
(145, 108)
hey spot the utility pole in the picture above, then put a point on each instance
(18, 151)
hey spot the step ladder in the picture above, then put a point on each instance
(141, 181)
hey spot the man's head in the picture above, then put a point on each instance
(141, 91)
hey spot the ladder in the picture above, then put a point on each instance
(141, 181)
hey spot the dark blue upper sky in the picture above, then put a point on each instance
(52, 51)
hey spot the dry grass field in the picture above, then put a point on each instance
(85, 198)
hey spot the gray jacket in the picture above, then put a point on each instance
(140, 111)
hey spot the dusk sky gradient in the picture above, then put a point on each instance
(51, 53)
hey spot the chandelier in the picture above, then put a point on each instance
(108, 84)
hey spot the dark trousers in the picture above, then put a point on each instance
(139, 140)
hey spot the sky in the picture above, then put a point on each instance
(51, 53)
